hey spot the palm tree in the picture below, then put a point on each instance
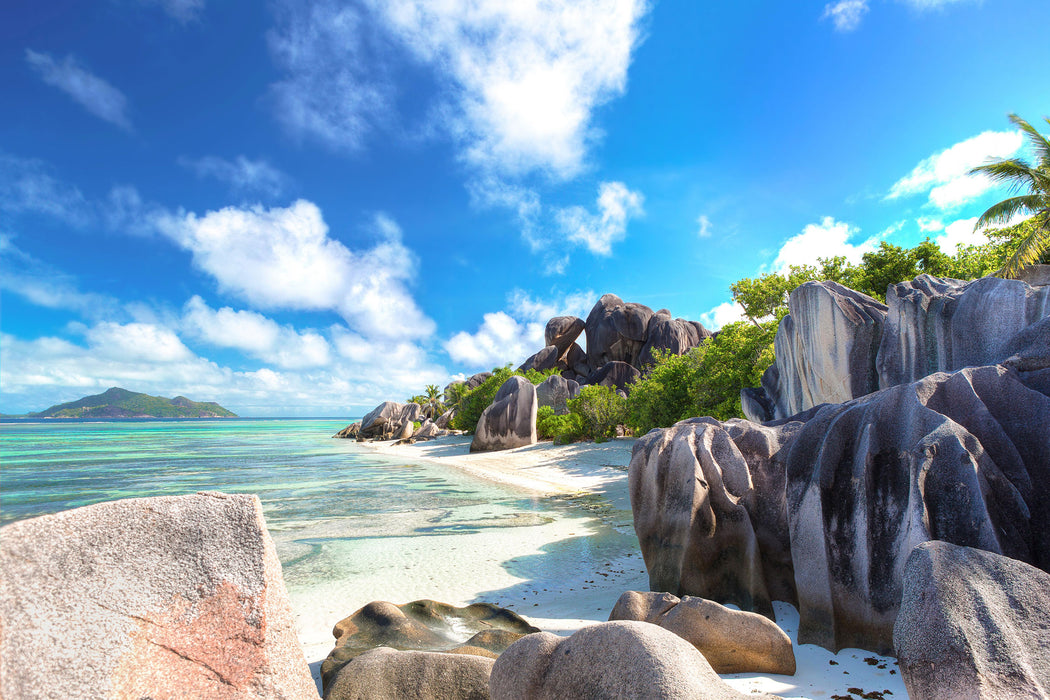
(1021, 177)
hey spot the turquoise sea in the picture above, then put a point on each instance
(350, 526)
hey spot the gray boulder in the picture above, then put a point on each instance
(825, 348)
(732, 641)
(350, 432)
(613, 660)
(616, 332)
(480, 629)
(510, 421)
(973, 624)
(941, 325)
(177, 596)
(709, 511)
(445, 418)
(575, 358)
(555, 391)
(389, 674)
(847, 491)
(562, 331)
(619, 375)
(389, 420)
(666, 334)
(547, 358)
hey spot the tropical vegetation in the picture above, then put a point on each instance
(1031, 182)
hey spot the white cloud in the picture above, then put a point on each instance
(616, 205)
(132, 342)
(723, 314)
(961, 232)
(927, 224)
(846, 15)
(26, 185)
(517, 82)
(43, 285)
(92, 92)
(931, 4)
(827, 239)
(705, 227)
(524, 78)
(335, 91)
(181, 10)
(516, 333)
(241, 174)
(944, 174)
(255, 334)
(283, 258)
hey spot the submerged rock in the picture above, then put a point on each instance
(611, 660)
(423, 625)
(510, 420)
(176, 596)
(973, 624)
(732, 641)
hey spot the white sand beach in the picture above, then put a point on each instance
(595, 477)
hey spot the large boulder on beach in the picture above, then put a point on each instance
(616, 331)
(611, 660)
(941, 325)
(555, 391)
(562, 331)
(709, 511)
(973, 624)
(732, 641)
(177, 596)
(510, 420)
(390, 674)
(825, 348)
(480, 629)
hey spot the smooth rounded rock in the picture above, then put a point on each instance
(390, 674)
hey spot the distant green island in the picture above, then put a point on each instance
(121, 403)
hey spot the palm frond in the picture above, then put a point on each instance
(1013, 171)
(1008, 208)
(1031, 249)
(1040, 144)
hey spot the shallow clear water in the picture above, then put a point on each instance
(350, 526)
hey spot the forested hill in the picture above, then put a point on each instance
(121, 403)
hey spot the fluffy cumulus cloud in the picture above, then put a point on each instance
(827, 239)
(517, 82)
(598, 231)
(283, 258)
(87, 89)
(724, 313)
(846, 15)
(242, 174)
(516, 332)
(256, 335)
(944, 175)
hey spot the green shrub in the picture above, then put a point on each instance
(559, 428)
(474, 402)
(599, 409)
(664, 396)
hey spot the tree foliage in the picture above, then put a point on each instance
(1032, 183)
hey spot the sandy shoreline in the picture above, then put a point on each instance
(594, 476)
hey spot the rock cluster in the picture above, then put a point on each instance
(622, 659)
(622, 340)
(732, 641)
(837, 344)
(823, 509)
(479, 630)
(176, 596)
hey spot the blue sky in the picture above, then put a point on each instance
(304, 208)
